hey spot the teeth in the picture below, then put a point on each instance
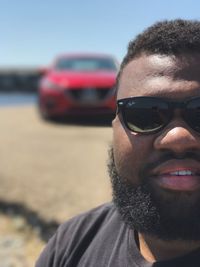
(185, 172)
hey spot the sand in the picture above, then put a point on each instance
(54, 169)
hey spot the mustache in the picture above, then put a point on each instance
(190, 155)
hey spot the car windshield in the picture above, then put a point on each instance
(86, 64)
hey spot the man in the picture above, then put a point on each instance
(154, 162)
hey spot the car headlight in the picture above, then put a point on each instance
(46, 83)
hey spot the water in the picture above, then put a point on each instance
(17, 99)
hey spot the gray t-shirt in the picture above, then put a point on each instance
(99, 238)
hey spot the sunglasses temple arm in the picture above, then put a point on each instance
(117, 110)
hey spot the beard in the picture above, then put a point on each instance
(144, 209)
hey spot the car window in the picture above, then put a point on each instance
(85, 64)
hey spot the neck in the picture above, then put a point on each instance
(154, 249)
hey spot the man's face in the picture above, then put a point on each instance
(156, 177)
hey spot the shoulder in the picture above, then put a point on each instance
(95, 215)
(76, 234)
(87, 224)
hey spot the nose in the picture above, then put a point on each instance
(178, 139)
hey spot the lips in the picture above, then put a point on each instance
(178, 175)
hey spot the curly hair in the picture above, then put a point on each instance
(171, 37)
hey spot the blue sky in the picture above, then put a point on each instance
(34, 32)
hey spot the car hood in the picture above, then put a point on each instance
(83, 79)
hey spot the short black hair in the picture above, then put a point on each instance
(168, 37)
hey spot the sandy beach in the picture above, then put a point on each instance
(54, 170)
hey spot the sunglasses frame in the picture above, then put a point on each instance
(172, 105)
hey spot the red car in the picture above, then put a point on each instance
(79, 84)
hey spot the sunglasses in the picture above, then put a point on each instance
(149, 115)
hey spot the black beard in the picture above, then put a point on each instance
(144, 210)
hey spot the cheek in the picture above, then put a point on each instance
(131, 151)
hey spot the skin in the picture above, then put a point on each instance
(171, 77)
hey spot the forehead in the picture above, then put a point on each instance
(160, 75)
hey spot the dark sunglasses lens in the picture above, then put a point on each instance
(192, 114)
(146, 115)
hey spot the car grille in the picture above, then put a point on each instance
(89, 94)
